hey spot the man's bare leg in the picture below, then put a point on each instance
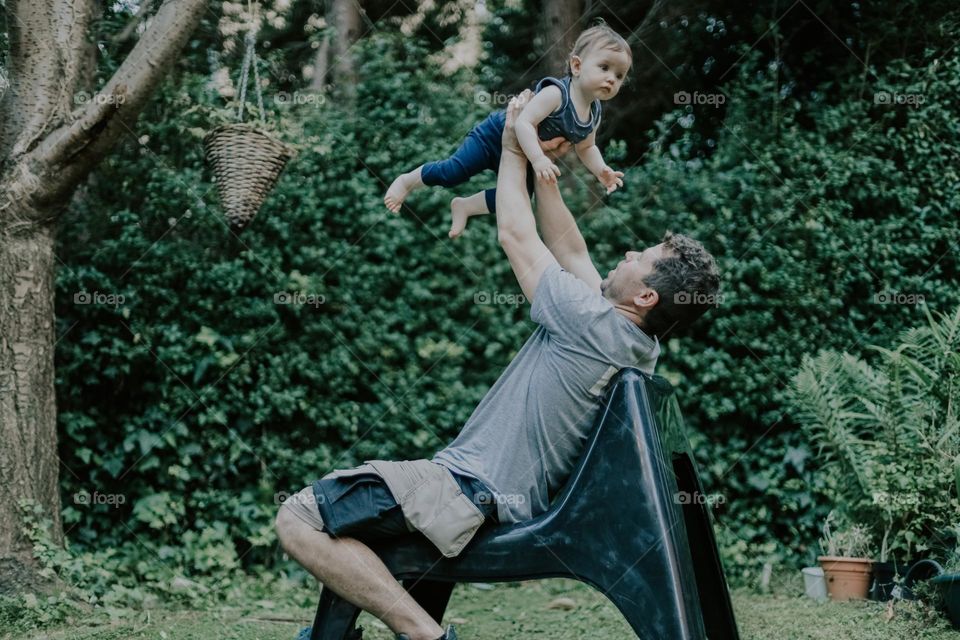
(356, 574)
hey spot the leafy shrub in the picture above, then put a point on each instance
(202, 401)
(820, 208)
(888, 434)
(199, 401)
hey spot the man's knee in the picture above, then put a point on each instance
(287, 525)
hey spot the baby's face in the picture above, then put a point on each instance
(602, 71)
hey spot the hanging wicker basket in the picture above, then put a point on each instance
(246, 164)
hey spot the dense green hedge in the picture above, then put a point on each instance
(815, 207)
(199, 398)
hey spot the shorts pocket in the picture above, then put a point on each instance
(336, 483)
(350, 499)
(442, 513)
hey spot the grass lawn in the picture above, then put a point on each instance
(506, 610)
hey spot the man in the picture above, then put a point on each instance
(519, 446)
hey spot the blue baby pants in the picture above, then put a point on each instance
(480, 150)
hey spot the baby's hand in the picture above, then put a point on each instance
(610, 179)
(546, 170)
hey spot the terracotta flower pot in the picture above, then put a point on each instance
(847, 578)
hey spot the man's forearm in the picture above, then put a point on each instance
(557, 224)
(514, 213)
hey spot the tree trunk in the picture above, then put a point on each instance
(46, 150)
(559, 28)
(344, 18)
(321, 67)
(28, 416)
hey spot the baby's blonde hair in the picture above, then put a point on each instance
(599, 36)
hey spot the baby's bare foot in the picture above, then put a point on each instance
(398, 191)
(460, 209)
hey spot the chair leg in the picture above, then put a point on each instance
(336, 618)
(718, 618)
(654, 613)
(432, 595)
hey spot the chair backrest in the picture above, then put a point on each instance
(640, 430)
(632, 398)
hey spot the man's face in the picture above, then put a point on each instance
(626, 281)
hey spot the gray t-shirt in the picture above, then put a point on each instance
(529, 430)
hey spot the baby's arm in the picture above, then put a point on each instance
(541, 106)
(592, 159)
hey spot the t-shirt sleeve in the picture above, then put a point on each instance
(565, 305)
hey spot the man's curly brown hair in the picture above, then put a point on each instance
(686, 280)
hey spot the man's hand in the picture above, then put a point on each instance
(610, 179)
(509, 140)
(553, 149)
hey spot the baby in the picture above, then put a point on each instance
(567, 108)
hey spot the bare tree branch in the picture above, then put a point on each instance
(70, 152)
(134, 22)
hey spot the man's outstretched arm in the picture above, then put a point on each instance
(562, 236)
(516, 226)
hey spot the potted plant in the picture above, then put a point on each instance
(846, 561)
(888, 436)
(949, 580)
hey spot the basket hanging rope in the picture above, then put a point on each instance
(245, 160)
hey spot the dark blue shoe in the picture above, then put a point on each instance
(356, 634)
(451, 634)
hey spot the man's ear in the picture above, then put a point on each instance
(646, 299)
(575, 63)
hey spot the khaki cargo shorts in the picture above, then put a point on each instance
(382, 498)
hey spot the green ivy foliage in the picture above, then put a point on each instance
(821, 212)
(200, 398)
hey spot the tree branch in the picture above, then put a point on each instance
(134, 22)
(46, 38)
(69, 153)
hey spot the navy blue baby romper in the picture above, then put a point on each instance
(482, 147)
